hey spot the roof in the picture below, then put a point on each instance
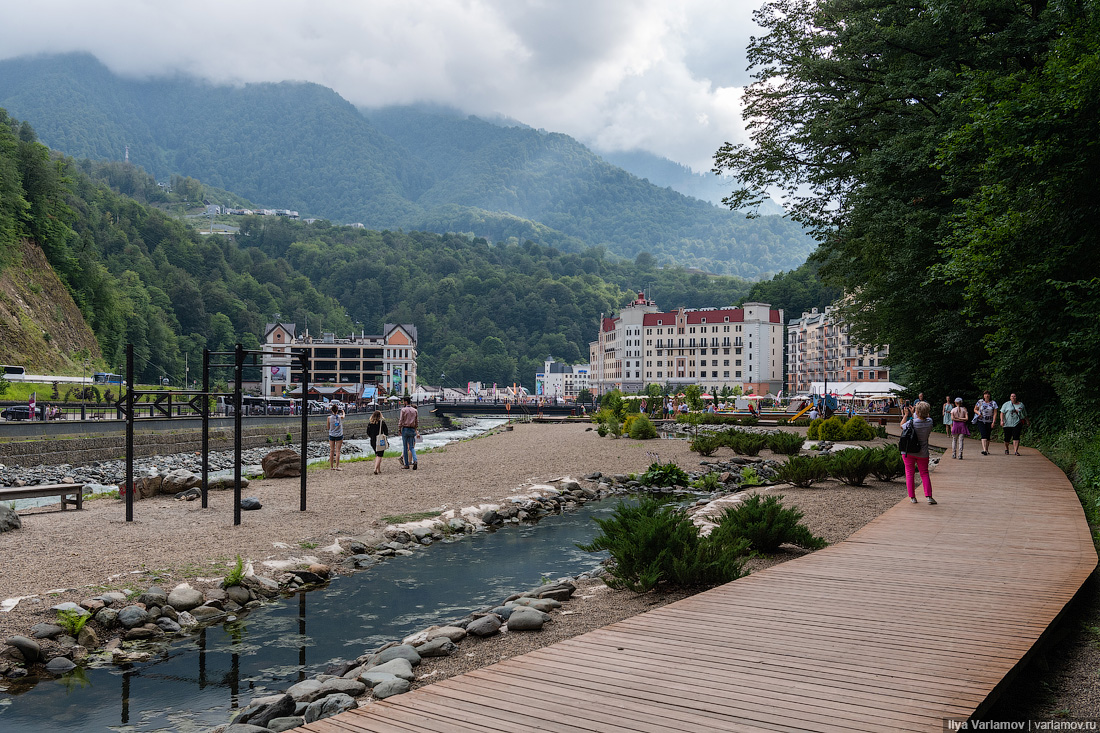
(408, 328)
(272, 326)
(609, 324)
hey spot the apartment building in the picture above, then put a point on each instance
(386, 361)
(710, 347)
(819, 349)
(561, 380)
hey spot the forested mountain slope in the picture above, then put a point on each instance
(301, 146)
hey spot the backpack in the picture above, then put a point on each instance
(909, 442)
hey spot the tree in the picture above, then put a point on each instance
(585, 395)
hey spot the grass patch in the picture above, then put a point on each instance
(307, 545)
(412, 517)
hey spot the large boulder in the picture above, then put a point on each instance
(29, 648)
(9, 520)
(400, 651)
(183, 598)
(527, 619)
(132, 616)
(154, 595)
(484, 626)
(282, 463)
(179, 480)
(328, 706)
(148, 486)
(262, 710)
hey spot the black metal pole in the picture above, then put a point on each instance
(205, 412)
(129, 432)
(305, 423)
(238, 373)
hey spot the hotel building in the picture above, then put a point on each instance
(819, 350)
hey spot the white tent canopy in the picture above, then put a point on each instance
(859, 389)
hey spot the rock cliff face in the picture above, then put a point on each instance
(41, 327)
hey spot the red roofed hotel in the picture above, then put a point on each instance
(711, 347)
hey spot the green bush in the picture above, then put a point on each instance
(803, 471)
(706, 445)
(236, 575)
(814, 431)
(831, 429)
(787, 444)
(707, 482)
(72, 620)
(749, 420)
(653, 542)
(641, 428)
(887, 464)
(745, 444)
(856, 428)
(765, 524)
(851, 466)
(663, 474)
(749, 477)
(601, 430)
(880, 431)
(614, 427)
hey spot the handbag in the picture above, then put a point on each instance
(909, 442)
(382, 443)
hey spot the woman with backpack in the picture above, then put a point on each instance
(915, 457)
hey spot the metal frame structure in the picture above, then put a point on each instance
(200, 402)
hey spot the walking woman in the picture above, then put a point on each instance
(335, 437)
(986, 411)
(378, 432)
(959, 428)
(947, 407)
(918, 461)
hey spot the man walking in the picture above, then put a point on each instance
(408, 422)
(1013, 417)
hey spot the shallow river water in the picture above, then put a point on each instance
(199, 680)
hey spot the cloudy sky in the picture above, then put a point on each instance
(659, 75)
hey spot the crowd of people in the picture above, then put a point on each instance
(986, 415)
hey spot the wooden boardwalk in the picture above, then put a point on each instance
(917, 617)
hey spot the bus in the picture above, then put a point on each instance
(106, 378)
(12, 371)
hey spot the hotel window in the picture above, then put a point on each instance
(658, 375)
(726, 374)
(738, 375)
(859, 375)
(714, 375)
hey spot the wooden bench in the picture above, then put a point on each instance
(33, 492)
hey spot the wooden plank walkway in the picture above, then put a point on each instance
(917, 617)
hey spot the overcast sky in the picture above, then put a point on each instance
(659, 75)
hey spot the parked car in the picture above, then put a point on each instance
(21, 412)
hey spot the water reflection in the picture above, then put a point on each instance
(196, 682)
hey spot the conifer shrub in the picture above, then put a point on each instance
(831, 429)
(745, 444)
(663, 474)
(706, 445)
(750, 420)
(641, 428)
(787, 444)
(765, 524)
(628, 421)
(803, 471)
(653, 542)
(601, 430)
(851, 466)
(814, 431)
(887, 464)
(856, 428)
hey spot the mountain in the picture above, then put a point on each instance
(301, 146)
(670, 174)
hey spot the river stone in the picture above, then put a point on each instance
(139, 633)
(539, 604)
(503, 611)
(179, 480)
(205, 614)
(9, 520)
(278, 725)
(185, 598)
(88, 638)
(60, 665)
(282, 463)
(329, 706)
(400, 651)
(153, 596)
(251, 503)
(46, 631)
(262, 710)
(29, 648)
(131, 616)
(238, 594)
(184, 618)
(453, 633)
(112, 597)
(339, 686)
(484, 626)
(397, 667)
(107, 618)
(245, 728)
(304, 689)
(390, 687)
(421, 532)
(70, 606)
(527, 619)
(168, 625)
(440, 646)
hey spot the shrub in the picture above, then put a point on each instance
(663, 474)
(236, 576)
(887, 464)
(856, 428)
(750, 420)
(803, 471)
(641, 428)
(880, 431)
(765, 524)
(706, 445)
(652, 542)
(831, 429)
(707, 482)
(851, 466)
(602, 416)
(749, 477)
(72, 620)
(787, 444)
(601, 430)
(814, 431)
(745, 444)
(614, 427)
